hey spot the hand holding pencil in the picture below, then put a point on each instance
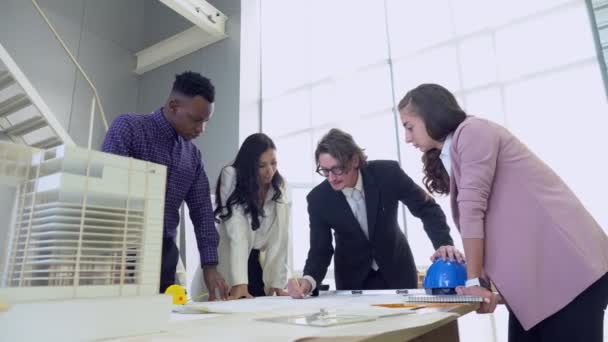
(298, 288)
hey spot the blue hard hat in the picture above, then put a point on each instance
(444, 276)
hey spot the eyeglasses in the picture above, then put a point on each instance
(336, 171)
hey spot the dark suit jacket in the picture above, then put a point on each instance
(385, 185)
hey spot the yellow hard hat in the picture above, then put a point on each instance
(178, 292)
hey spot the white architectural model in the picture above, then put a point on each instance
(84, 224)
(85, 228)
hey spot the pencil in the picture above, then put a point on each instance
(290, 271)
(199, 296)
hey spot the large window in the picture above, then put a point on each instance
(321, 69)
(529, 65)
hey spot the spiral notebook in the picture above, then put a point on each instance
(427, 298)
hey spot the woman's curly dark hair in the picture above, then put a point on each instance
(245, 193)
(441, 114)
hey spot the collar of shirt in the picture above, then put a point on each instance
(164, 125)
(348, 192)
(445, 154)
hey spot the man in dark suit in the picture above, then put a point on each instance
(359, 201)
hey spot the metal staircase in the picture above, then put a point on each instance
(24, 116)
(26, 119)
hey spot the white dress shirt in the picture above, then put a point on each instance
(237, 239)
(445, 154)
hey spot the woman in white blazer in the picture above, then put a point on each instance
(252, 209)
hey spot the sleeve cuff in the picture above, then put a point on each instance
(209, 259)
(312, 282)
(471, 230)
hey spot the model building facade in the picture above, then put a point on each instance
(78, 224)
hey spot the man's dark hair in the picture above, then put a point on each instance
(193, 84)
(341, 146)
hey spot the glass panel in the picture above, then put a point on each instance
(527, 47)
(294, 156)
(346, 99)
(565, 127)
(375, 134)
(478, 15)
(474, 15)
(325, 104)
(285, 45)
(343, 45)
(486, 103)
(415, 25)
(507, 12)
(286, 114)
(478, 60)
(435, 66)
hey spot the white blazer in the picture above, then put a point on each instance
(237, 240)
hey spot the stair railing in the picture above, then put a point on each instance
(96, 101)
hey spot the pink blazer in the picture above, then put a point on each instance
(542, 247)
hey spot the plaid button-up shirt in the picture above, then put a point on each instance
(152, 138)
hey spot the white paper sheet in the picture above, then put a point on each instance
(360, 305)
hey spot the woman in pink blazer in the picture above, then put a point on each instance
(523, 229)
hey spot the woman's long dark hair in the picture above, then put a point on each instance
(245, 193)
(441, 114)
